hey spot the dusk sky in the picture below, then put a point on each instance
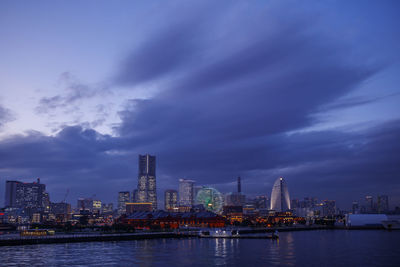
(307, 90)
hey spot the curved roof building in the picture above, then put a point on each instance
(280, 200)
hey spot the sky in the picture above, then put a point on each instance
(306, 90)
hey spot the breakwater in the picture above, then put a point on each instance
(17, 241)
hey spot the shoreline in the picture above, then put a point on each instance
(75, 238)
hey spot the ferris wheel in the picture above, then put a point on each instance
(210, 198)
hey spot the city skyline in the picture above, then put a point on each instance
(264, 90)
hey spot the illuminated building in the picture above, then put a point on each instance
(25, 195)
(186, 193)
(96, 206)
(61, 211)
(173, 220)
(170, 200)
(107, 208)
(123, 198)
(147, 180)
(280, 200)
(329, 208)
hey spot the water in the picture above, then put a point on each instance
(306, 248)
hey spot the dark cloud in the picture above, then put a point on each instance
(6, 115)
(234, 85)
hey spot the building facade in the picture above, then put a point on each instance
(147, 191)
(25, 195)
(170, 200)
(123, 198)
(186, 192)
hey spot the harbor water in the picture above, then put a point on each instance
(301, 248)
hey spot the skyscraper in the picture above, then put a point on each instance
(186, 193)
(383, 204)
(25, 195)
(171, 200)
(11, 194)
(280, 200)
(147, 180)
(123, 198)
(369, 204)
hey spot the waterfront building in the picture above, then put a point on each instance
(383, 204)
(123, 198)
(147, 180)
(170, 200)
(173, 220)
(280, 200)
(186, 193)
(138, 206)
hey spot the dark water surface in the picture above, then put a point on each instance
(306, 248)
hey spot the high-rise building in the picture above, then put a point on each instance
(329, 208)
(11, 194)
(369, 204)
(186, 194)
(25, 195)
(147, 180)
(383, 204)
(239, 185)
(85, 204)
(280, 200)
(171, 200)
(134, 195)
(355, 207)
(123, 198)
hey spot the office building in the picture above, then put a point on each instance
(25, 195)
(170, 200)
(369, 204)
(123, 198)
(329, 208)
(186, 193)
(280, 200)
(383, 204)
(147, 180)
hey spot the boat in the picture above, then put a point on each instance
(223, 233)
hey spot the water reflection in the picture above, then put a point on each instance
(343, 248)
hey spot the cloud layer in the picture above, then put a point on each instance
(233, 88)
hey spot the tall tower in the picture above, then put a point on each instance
(239, 185)
(280, 200)
(147, 180)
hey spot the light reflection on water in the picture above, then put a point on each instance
(308, 248)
